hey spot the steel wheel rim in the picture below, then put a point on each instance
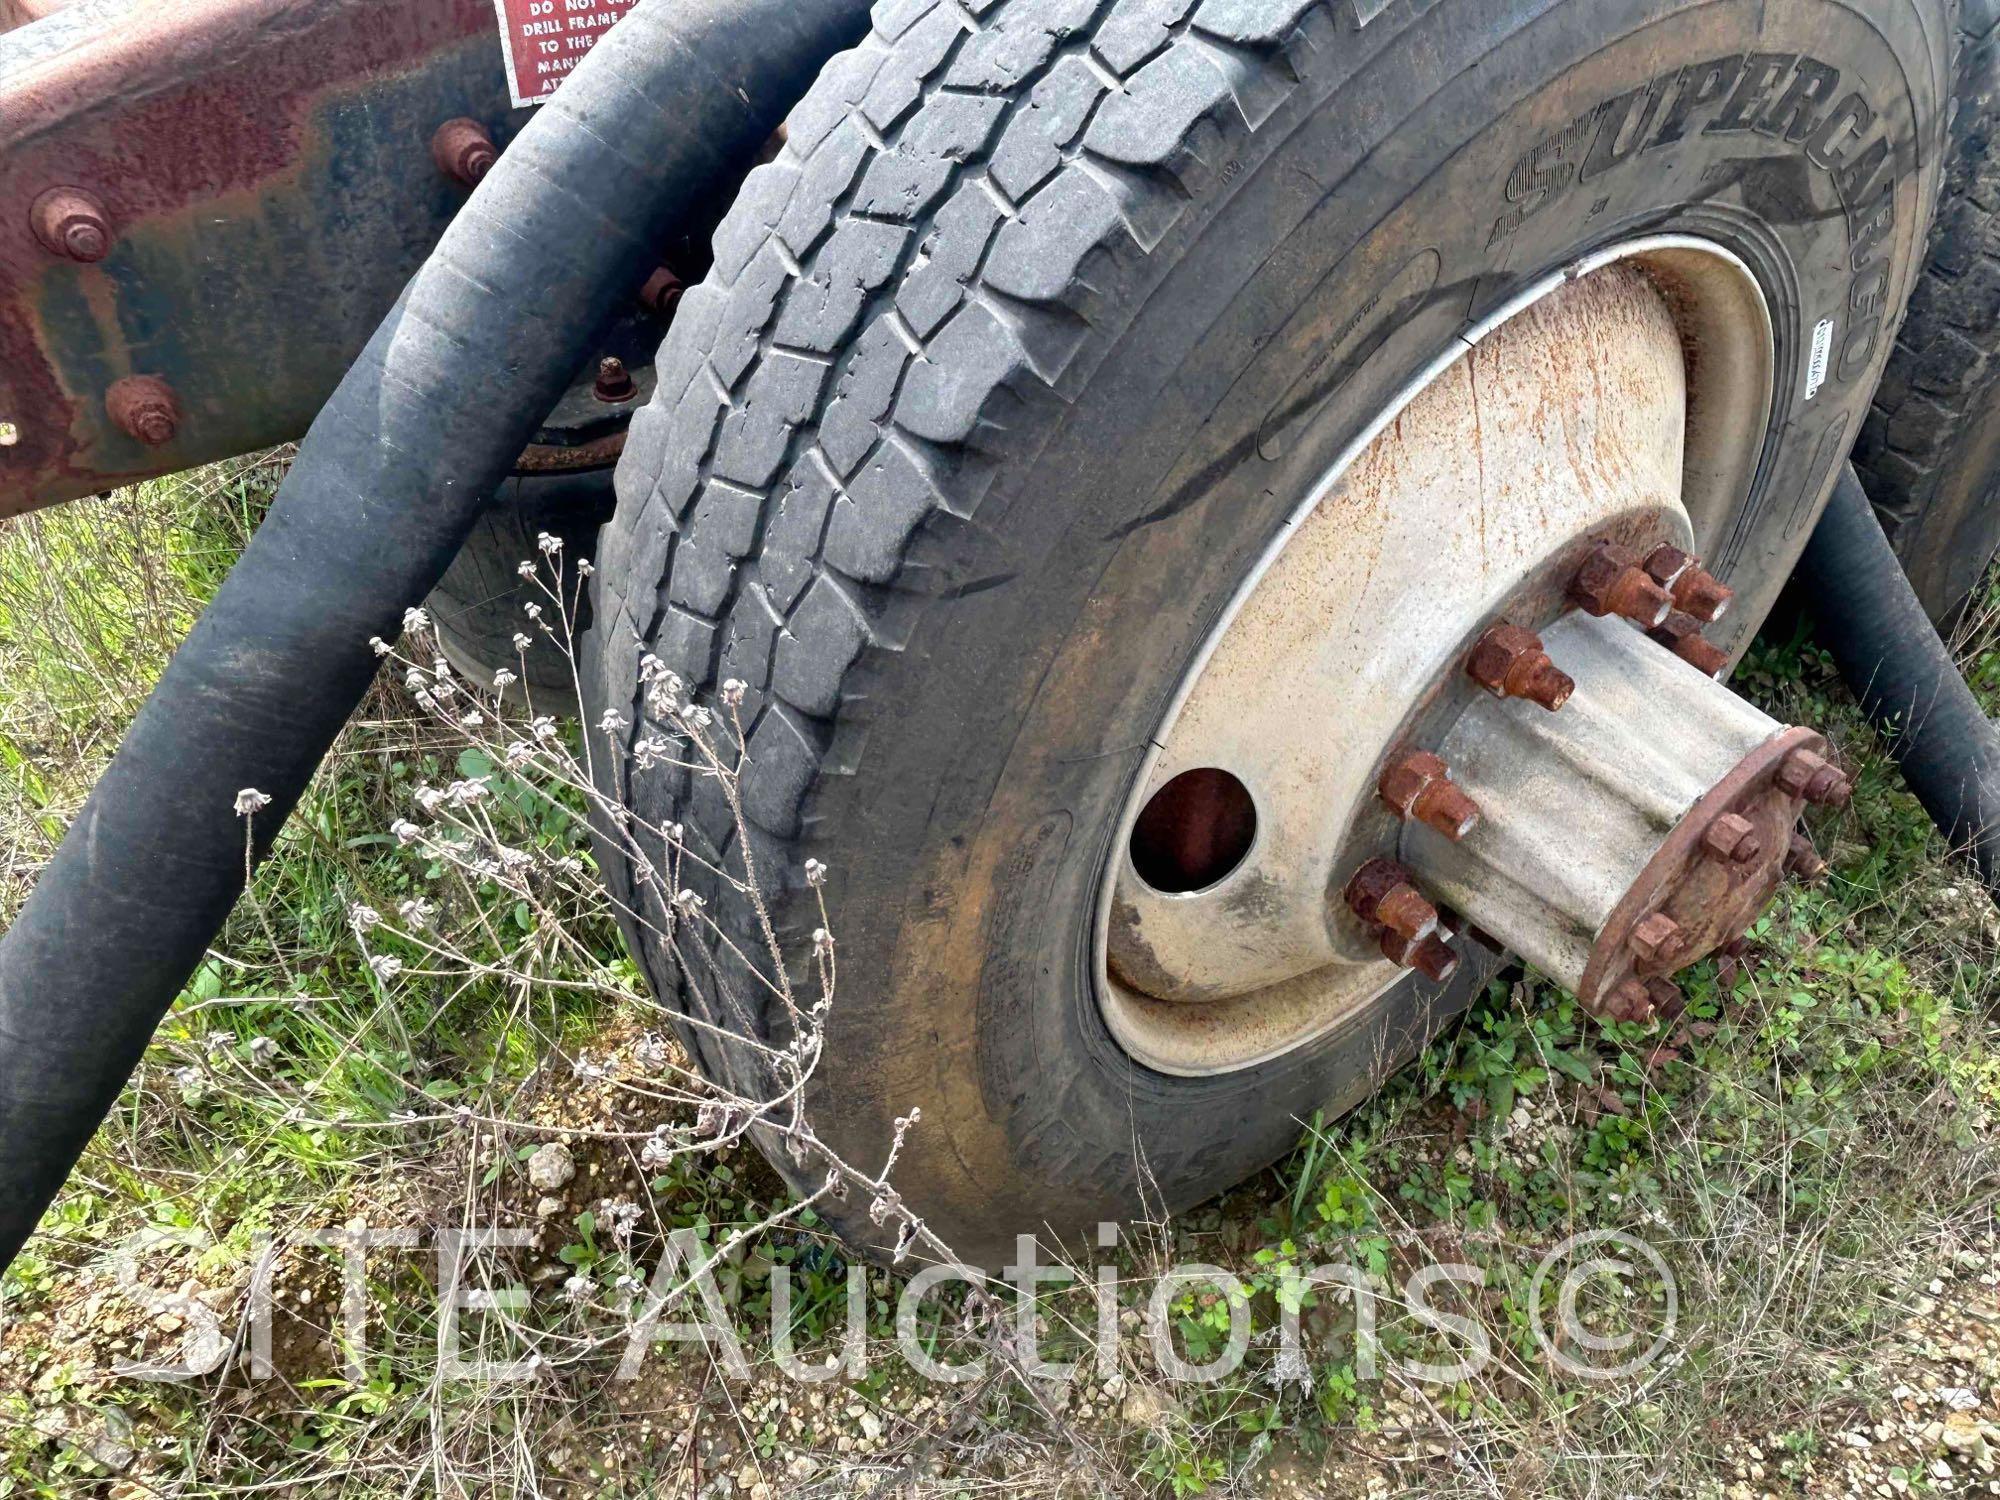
(1724, 322)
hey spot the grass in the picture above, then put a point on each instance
(1811, 1148)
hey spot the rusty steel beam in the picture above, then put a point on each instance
(205, 209)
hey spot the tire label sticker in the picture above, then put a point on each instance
(543, 41)
(1822, 350)
(1784, 97)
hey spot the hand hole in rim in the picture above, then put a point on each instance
(1194, 832)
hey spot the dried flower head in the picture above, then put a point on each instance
(250, 800)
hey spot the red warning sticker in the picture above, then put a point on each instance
(544, 40)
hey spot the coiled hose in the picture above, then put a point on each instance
(1891, 657)
(674, 101)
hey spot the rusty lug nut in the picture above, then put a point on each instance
(614, 381)
(1631, 1001)
(1431, 957)
(464, 150)
(1696, 591)
(1681, 634)
(1510, 662)
(71, 223)
(1418, 785)
(1659, 939)
(662, 293)
(1382, 894)
(1802, 861)
(1817, 780)
(1734, 839)
(1611, 582)
(144, 408)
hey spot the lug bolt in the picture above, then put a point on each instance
(1382, 894)
(1659, 939)
(662, 293)
(1681, 634)
(1696, 591)
(464, 150)
(1418, 785)
(71, 223)
(1802, 861)
(614, 382)
(144, 408)
(1430, 956)
(1509, 662)
(1734, 839)
(1814, 778)
(1611, 582)
(1631, 1001)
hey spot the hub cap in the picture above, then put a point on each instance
(1439, 690)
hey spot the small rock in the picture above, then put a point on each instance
(551, 1167)
(548, 1208)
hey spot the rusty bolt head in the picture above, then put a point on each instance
(1665, 563)
(1681, 634)
(1659, 939)
(1382, 894)
(71, 223)
(614, 382)
(1630, 1001)
(1509, 662)
(464, 150)
(1431, 957)
(1815, 779)
(1734, 839)
(1696, 592)
(662, 293)
(1802, 861)
(1702, 595)
(1418, 785)
(144, 408)
(1611, 582)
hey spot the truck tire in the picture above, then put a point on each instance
(479, 604)
(1930, 450)
(1009, 370)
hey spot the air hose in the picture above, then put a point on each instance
(1907, 683)
(670, 105)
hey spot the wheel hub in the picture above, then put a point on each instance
(1473, 676)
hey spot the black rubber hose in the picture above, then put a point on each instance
(1889, 653)
(676, 99)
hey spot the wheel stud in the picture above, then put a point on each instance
(1681, 634)
(1696, 591)
(1417, 784)
(1814, 778)
(1611, 582)
(1431, 957)
(1659, 939)
(1802, 861)
(1734, 839)
(1509, 662)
